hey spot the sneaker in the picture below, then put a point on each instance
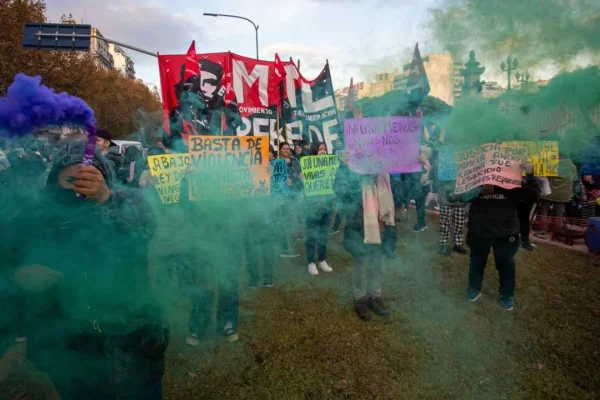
(459, 250)
(325, 267)
(418, 228)
(334, 233)
(528, 246)
(269, 285)
(360, 306)
(230, 333)
(290, 254)
(192, 340)
(444, 251)
(507, 303)
(473, 295)
(312, 269)
(376, 305)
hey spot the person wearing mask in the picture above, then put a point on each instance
(494, 224)
(318, 218)
(453, 215)
(422, 187)
(561, 187)
(367, 206)
(86, 312)
(290, 211)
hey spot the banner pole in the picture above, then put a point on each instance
(278, 140)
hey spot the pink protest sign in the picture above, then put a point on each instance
(488, 164)
(383, 145)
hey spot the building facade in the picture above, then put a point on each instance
(100, 49)
(122, 61)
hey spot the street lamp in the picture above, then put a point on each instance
(238, 17)
(510, 65)
(523, 79)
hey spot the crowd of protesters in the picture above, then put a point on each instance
(79, 266)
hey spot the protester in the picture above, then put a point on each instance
(318, 218)
(133, 167)
(299, 151)
(493, 223)
(338, 149)
(78, 269)
(453, 215)
(422, 187)
(259, 241)
(525, 205)
(561, 189)
(367, 206)
(290, 211)
(103, 141)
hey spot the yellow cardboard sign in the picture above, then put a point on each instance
(319, 174)
(226, 167)
(542, 154)
(168, 170)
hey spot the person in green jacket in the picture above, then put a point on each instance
(562, 189)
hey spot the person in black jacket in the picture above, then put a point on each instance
(77, 271)
(493, 223)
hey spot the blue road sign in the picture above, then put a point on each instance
(57, 36)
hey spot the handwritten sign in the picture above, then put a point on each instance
(489, 164)
(447, 166)
(168, 170)
(319, 174)
(279, 177)
(383, 145)
(543, 155)
(228, 167)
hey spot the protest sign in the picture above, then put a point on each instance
(319, 174)
(279, 177)
(543, 155)
(489, 164)
(447, 166)
(383, 145)
(228, 167)
(168, 170)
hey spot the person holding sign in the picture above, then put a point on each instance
(318, 218)
(367, 205)
(493, 223)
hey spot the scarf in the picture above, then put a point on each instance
(378, 206)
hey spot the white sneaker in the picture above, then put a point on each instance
(325, 267)
(192, 340)
(312, 269)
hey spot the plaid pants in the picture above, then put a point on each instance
(452, 218)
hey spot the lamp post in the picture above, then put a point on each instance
(510, 65)
(523, 79)
(238, 17)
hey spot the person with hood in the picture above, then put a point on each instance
(77, 269)
(367, 205)
(494, 224)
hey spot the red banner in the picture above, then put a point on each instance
(242, 96)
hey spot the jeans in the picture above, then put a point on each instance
(368, 274)
(505, 250)
(524, 213)
(259, 245)
(420, 196)
(317, 230)
(558, 209)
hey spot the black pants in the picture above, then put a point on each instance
(524, 211)
(317, 230)
(505, 250)
(420, 197)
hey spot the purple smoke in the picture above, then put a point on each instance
(29, 105)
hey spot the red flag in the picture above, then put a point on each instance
(349, 106)
(192, 68)
(279, 69)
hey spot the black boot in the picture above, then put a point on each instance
(377, 306)
(459, 250)
(360, 306)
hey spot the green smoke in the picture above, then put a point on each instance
(534, 32)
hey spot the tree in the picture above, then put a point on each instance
(113, 97)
